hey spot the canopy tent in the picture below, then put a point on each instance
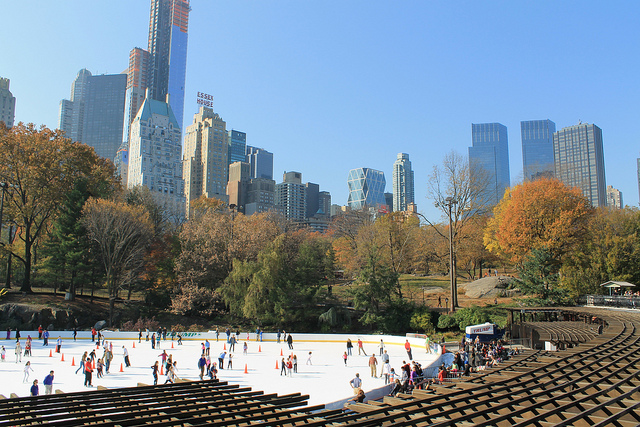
(616, 285)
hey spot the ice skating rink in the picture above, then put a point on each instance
(325, 379)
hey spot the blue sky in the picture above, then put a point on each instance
(328, 86)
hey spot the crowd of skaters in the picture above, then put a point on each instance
(97, 360)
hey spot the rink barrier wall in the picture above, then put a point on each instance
(370, 342)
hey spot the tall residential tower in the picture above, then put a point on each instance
(403, 193)
(7, 103)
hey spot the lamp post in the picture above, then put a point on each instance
(449, 203)
(4, 187)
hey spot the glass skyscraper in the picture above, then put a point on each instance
(94, 115)
(579, 161)
(537, 148)
(168, 36)
(489, 160)
(366, 188)
(261, 162)
(237, 146)
(403, 193)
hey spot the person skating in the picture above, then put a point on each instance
(27, 369)
(88, 373)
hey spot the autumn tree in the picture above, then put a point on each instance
(609, 251)
(121, 234)
(459, 190)
(213, 238)
(538, 214)
(40, 167)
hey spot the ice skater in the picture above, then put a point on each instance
(27, 369)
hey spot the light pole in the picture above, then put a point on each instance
(4, 187)
(449, 203)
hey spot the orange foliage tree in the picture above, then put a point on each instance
(39, 167)
(538, 214)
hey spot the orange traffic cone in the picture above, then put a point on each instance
(224, 346)
(171, 344)
(121, 370)
(277, 364)
(73, 361)
(245, 369)
(62, 360)
(50, 353)
(134, 344)
(259, 349)
(281, 352)
(161, 369)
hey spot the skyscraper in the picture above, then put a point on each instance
(291, 196)
(237, 146)
(366, 188)
(261, 162)
(403, 193)
(168, 36)
(7, 103)
(489, 160)
(205, 157)
(614, 198)
(238, 184)
(537, 148)
(137, 83)
(94, 114)
(579, 161)
(312, 194)
(155, 154)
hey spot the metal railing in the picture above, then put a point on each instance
(629, 301)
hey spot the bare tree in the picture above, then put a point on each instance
(122, 234)
(459, 190)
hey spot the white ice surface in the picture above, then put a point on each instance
(326, 380)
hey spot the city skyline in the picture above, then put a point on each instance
(428, 70)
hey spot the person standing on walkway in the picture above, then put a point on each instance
(221, 357)
(427, 344)
(356, 384)
(48, 383)
(407, 347)
(207, 347)
(349, 346)
(344, 358)
(45, 338)
(59, 344)
(309, 359)
(381, 347)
